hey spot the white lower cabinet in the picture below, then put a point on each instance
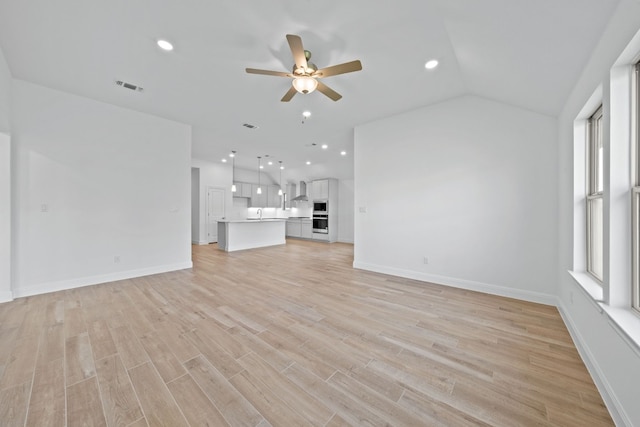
(294, 228)
(298, 227)
(306, 229)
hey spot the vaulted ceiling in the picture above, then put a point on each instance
(524, 53)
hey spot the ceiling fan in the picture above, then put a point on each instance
(306, 75)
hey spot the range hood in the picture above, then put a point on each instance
(302, 193)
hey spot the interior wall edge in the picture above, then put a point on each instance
(62, 285)
(487, 288)
(615, 407)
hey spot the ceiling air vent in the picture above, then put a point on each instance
(129, 86)
(250, 126)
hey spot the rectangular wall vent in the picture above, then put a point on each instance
(129, 86)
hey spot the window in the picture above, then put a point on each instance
(595, 223)
(635, 192)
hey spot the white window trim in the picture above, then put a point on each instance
(635, 191)
(591, 182)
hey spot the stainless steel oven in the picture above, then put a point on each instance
(320, 223)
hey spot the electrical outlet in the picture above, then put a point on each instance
(44, 207)
(116, 259)
(425, 260)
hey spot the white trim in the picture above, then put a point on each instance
(350, 241)
(616, 409)
(94, 280)
(471, 285)
(6, 297)
(199, 242)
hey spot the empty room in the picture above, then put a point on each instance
(297, 213)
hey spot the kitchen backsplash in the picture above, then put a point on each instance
(278, 213)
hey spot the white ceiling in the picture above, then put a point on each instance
(524, 53)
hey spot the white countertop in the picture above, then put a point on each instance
(253, 220)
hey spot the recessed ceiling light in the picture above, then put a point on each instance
(165, 45)
(308, 163)
(431, 64)
(270, 163)
(325, 146)
(306, 114)
(224, 160)
(343, 153)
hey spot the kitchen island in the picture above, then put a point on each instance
(239, 234)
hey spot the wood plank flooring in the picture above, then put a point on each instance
(287, 336)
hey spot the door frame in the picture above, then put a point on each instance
(206, 210)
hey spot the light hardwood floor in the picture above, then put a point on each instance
(287, 336)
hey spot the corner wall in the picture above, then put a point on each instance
(470, 184)
(345, 210)
(612, 359)
(5, 181)
(101, 192)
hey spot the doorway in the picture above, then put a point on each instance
(215, 212)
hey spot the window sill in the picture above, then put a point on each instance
(625, 321)
(589, 285)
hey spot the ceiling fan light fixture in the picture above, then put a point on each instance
(305, 84)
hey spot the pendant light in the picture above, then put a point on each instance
(233, 171)
(259, 187)
(280, 190)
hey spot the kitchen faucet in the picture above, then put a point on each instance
(259, 212)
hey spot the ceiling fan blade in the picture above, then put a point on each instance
(287, 96)
(267, 72)
(347, 67)
(328, 91)
(295, 43)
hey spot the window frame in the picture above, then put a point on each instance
(635, 190)
(594, 188)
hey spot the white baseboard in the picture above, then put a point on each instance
(487, 288)
(62, 285)
(620, 418)
(350, 241)
(6, 297)
(199, 242)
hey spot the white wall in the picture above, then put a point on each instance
(5, 218)
(94, 182)
(5, 93)
(215, 175)
(470, 184)
(611, 358)
(5, 182)
(345, 210)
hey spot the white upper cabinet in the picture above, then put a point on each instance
(320, 189)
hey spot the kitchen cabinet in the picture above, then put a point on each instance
(299, 227)
(258, 200)
(291, 193)
(327, 190)
(294, 228)
(273, 199)
(306, 229)
(320, 189)
(243, 189)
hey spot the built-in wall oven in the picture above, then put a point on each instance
(320, 223)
